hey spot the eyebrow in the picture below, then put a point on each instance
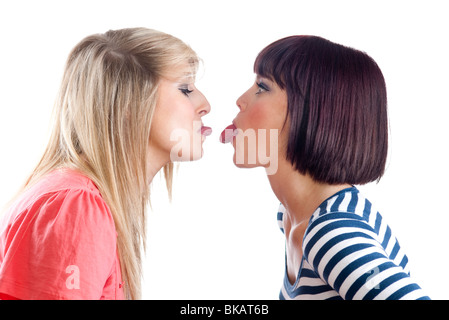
(186, 76)
(260, 78)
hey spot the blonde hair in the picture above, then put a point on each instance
(102, 121)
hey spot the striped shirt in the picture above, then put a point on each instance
(350, 253)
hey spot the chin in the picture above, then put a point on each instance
(197, 157)
(245, 164)
(198, 153)
(193, 155)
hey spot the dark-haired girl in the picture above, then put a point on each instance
(328, 105)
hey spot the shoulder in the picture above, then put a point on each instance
(358, 260)
(347, 208)
(345, 220)
(63, 199)
(64, 180)
(337, 229)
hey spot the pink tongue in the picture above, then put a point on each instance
(227, 134)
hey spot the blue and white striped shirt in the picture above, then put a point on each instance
(349, 252)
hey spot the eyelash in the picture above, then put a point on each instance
(261, 87)
(185, 91)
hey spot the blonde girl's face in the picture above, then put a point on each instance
(177, 130)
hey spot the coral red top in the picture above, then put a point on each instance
(58, 241)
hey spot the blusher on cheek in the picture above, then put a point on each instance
(258, 117)
(262, 118)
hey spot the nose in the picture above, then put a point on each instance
(203, 105)
(241, 102)
(238, 103)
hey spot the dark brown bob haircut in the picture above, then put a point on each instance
(337, 108)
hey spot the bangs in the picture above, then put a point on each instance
(268, 65)
(274, 62)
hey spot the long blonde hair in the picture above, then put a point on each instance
(101, 127)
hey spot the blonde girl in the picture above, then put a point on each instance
(77, 229)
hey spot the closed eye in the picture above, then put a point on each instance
(185, 91)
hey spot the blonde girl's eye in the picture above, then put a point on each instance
(185, 90)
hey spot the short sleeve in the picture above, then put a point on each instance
(63, 246)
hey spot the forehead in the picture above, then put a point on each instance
(187, 77)
(182, 73)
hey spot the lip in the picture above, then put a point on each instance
(205, 131)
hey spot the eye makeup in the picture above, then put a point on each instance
(184, 88)
(262, 87)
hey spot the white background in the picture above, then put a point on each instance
(219, 238)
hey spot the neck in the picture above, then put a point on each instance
(156, 161)
(299, 193)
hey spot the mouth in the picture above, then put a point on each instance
(228, 133)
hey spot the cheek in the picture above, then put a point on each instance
(169, 121)
(177, 114)
(257, 118)
(262, 116)
(177, 133)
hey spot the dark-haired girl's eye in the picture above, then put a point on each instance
(262, 87)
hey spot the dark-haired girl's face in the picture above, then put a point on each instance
(263, 109)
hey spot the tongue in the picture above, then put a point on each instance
(227, 134)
